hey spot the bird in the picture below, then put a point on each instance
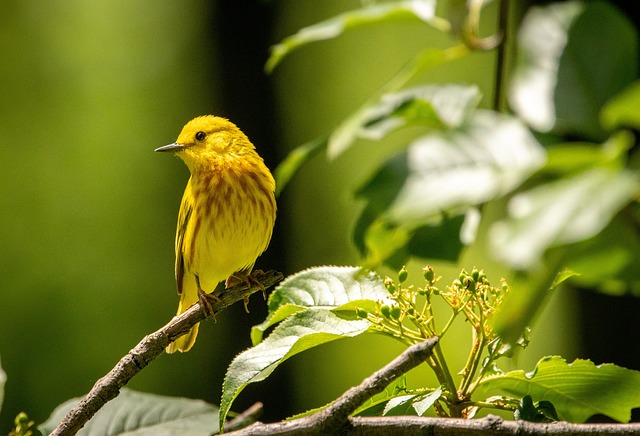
(226, 216)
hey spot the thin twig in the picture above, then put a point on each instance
(501, 59)
(335, 417)
(245, 418)
(108, 387)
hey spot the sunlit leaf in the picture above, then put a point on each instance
(382, 240)
(328, 287)
(567, 158)
(350, 129)
(393, 245)
(423, 10)
(430, 106)
(299, 332)
(411, 404)
(622, 110)
(423, 402)
(561, 212)
(399, 406)
(541, 41)
(136, 414)
(578, 390)
(558, 83)
(489, 156)
(439, 178)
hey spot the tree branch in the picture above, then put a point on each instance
(489, 425)
(108, 387)
(335, 418)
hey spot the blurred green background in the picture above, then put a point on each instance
(88, 211)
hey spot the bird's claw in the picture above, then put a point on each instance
(205, 302)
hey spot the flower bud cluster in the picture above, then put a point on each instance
(406, 313)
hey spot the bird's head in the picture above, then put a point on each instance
(209, 138)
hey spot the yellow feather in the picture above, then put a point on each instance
(227, 212)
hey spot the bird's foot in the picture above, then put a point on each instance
(206, 301)
(251, 280)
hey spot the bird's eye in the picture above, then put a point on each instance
(200, 136)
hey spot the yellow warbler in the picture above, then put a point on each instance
(227, 212)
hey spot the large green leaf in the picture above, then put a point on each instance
(489, 156)
(329, 287)
(423, 10)
(541, 40)
(441, 176)
(297, 333)
(561, 212)
(585, 81)
(558, 82)
(136, 414)
(578, 390)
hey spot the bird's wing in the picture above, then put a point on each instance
(186, 207)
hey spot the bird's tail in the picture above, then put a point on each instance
(184, 343)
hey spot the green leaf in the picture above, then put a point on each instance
(441, 177)
(453, 170)
(609, 261)
(329, 287)
(136, 413)
(423, 402)
(430, 106)
(350, 129)
(294, 160)
(423, 10)
(577, 390)
(299, 332)
(399, 406)
(572, 157)
(622, 110)
(411, 404)
(561, 212)
(558, 83)
(382, 240)
(3, 379)
(543, 411)
(542, 38)
(374, 406)
(585, 82)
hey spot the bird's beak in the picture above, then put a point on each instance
(171, 147)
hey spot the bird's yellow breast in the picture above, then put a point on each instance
(230, 213)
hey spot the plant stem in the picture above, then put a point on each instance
(503, 28)
(439, 366)
(472, 365)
